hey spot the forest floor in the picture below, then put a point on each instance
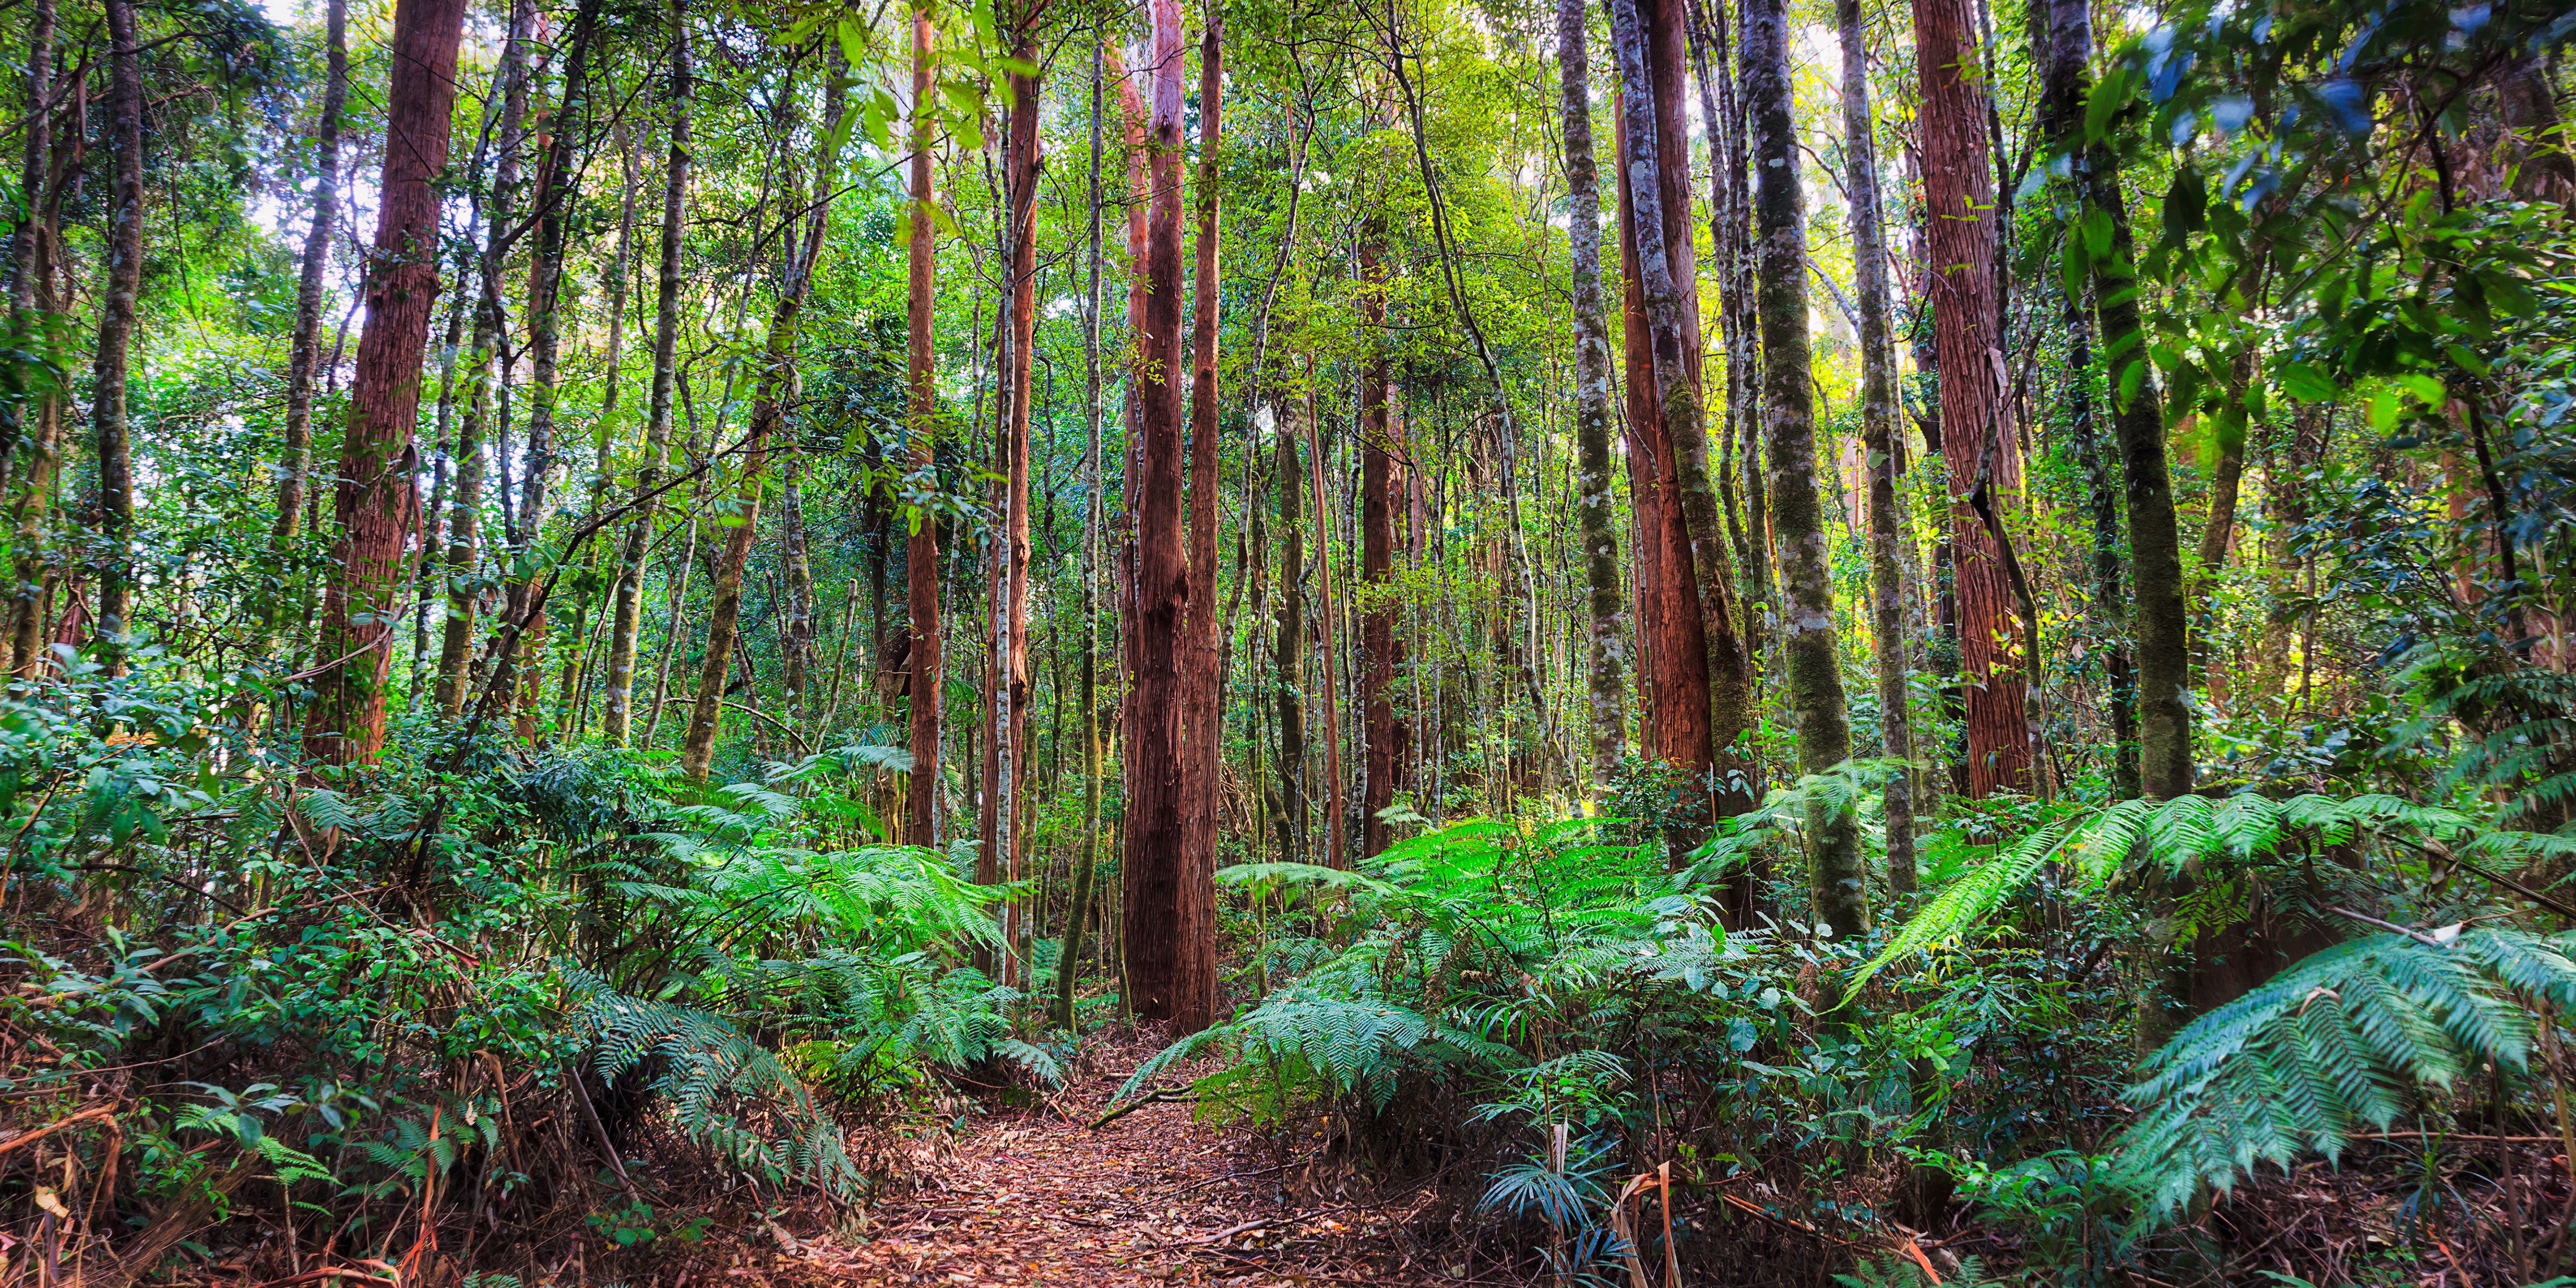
(1036, 1196)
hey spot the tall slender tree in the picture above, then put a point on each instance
(617, 706)
(1836, 886)
(921, 548)
(38, 423)
(108, 374)
(296, 447)
(1094, 515)
(376, 501)
(465, 521)
(1203, 729)
(1165, 936)
(1609, 616)
(1878, 436)
(2157, 614)
(1380, 649)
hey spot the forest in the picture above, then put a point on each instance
(1410, 642)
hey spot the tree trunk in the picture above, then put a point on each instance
(775, 389)
(556, 191)
(1836, 882)
(921, 549)
(296, 449)
(1203, 727)
(1336, 827)
(2062, 113)
(1878, 436)
(618, 715)
(1164, 935)
(1016, 330)
(2217, 538)
(2155, 543)
(1699, 688)
(1716, 669)
(31, 302)
(465, 522)
(1288, 655)
(1958, 184)
(1094, 511)
(1379, 647)
(376, 502)
(1609, 616)
(116, 336)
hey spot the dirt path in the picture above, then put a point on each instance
(1037, 1198)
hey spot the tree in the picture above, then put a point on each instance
(1977, 446)
(297, 445)
(376, 496)
(1878, 437)
(1203, 719)
(2157, 615)
(1609, 617)
(1169, 943)
(1837, 889)
(32, 305)
(618, 702)
(921, 548)
(108, 374)
(1380, 652)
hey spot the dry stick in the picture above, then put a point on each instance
(1167, 1096)
(90, 1114)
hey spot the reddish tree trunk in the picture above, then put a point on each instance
(1204, 720)
(921, 550)
(1163, 982)
(1674, 679)
(377, 504)
(1958, 185)
(1379, 648)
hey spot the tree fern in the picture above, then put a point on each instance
(709, 1072)
(2350, 1036)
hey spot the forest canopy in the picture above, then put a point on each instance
(1930, 634)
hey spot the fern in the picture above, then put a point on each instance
(2134, 837)
(2350, 1036)
(705, 1067)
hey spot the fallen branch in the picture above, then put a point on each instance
(91, 1114)
(1164, 1097)
(1248, 1227)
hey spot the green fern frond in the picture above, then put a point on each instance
(2353, 1035)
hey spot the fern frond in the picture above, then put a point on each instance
(2354, 1034)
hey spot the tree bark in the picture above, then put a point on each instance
(115, 337)
(1836, 883)
(618, 706)
(1699, 690)
(296, 447)
(556, 190)
(2062, 113)
(1609, 614)
(376, 501)
(1379, 647)
(1203, 729)
(776, 387)
(1716, 670)
(921, 549)
(465, 522)
(1165, 935)
(31, 302)
(1878, 426)
(1288, 654)
(1094, 511)
(1958, 183)
(2155, 545)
